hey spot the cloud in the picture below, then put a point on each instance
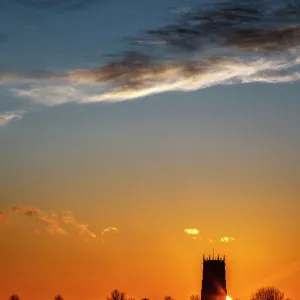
(222, 42)
(192, 231)
(119, 84)
(56, 223)
(8, 116)
(245, 25)
(109, 229)
(68, 218)
(56, 229)
(226, 239)
(30, 211)
(26, 210)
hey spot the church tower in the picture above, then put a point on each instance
(214, 279)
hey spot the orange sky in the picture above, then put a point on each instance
(151, 255)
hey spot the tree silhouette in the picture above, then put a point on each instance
(195, 297)
(14, 297)
(268, 293)
(58, 297)
(117, 295)
(168, 298)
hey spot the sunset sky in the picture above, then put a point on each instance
(103, 178)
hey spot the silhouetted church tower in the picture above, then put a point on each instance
(214, 279)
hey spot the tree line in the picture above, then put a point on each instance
(263, 293)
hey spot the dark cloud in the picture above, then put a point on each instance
(248, 25)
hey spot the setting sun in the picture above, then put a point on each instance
(228, 298)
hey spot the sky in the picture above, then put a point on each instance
(137, 136)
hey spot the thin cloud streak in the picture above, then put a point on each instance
(109, 229)
(92, 86)
(68, 218)
(56, 223)
(8, 116)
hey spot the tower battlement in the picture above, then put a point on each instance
(212, 259)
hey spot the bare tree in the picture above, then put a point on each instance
(117, 295)
(168, 298)
(268, 293)
(14, 297)
(58, 297)
(195, 297)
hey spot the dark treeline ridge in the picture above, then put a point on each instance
(263, 293)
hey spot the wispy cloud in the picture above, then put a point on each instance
(192, 231)
(56, 229)
(223, 42)
(107, 84)
(57, 223)
(8, 116)
(109, 229)
(227, 239)
(27, 210)
(68, 218)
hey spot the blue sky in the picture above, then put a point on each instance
(42, 40)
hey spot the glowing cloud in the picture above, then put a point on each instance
(109, 229)
(226, 239)
(8, 116)
(192, 231)
(105, 84)
(68, 218)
